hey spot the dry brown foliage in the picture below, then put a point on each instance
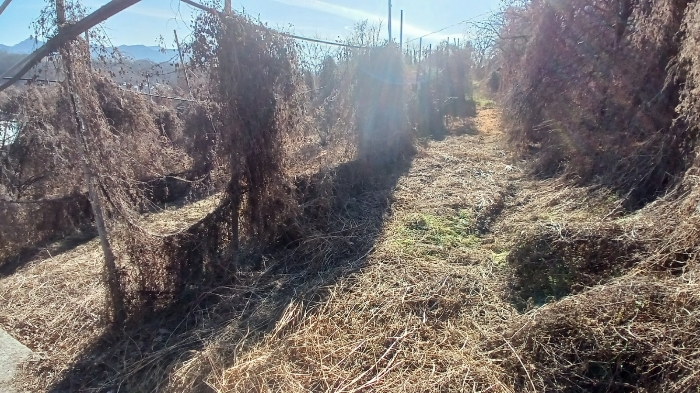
(444, 91)
(261, 119)
(44, 195)
(634, 334)
(591, 88)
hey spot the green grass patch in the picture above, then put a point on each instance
(500, 258)
(484, 103)
(428, 234)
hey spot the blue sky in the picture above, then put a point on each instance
(144, 22)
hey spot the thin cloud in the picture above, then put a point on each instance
(150, 12)
(355, 14)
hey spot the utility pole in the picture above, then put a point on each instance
(389, 20)
(430, 63)
(420, 50)
(110, 272)
(148, 83)
(401, 32)
(420, 55)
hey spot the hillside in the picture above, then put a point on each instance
(134, 52)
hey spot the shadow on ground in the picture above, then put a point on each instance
(343, 213)
(67, 222)
(47, 248)
(555, 262)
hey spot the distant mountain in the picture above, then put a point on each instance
(136, 52)
(152, 53)
(24, 47)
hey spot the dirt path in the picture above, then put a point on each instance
(413, 319)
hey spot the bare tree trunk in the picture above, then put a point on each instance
(235, 195)
(112, 278)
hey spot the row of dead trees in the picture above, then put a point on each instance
(593, 89)
(252, 106)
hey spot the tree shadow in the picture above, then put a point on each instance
(555, 262)
(462, 126)
(343, 210)
(67, 222)
(48, 248)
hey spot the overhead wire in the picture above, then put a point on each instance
(314, 40)
(492, 12)
(214, 11)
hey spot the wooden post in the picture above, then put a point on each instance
(401, 32)
(430, 63)
(389, 20)
(227, 7)
(182, 64)
(111, 274)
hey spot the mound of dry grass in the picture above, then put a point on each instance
(637, 334)
(561, 259)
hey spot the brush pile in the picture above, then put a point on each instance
(42, 195)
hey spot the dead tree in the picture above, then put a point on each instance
(81, 131)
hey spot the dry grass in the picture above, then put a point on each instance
(432, 309)
(428, 307)
(178, 217)
(636, 334)
(388, 329)
(56, 304)
(56, 307)
(413, 318)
